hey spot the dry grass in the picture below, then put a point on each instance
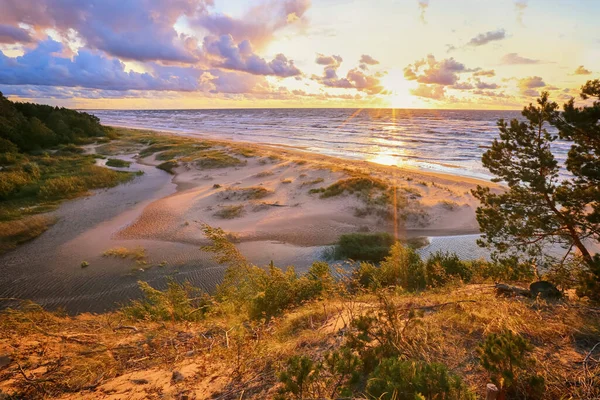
(14, 233)
(92, 355)
(246, 193)
(230, 212)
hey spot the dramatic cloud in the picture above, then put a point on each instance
(423, 4)
(131, 30)
(485, 38)
(241, 58)
(528, 85)
(328, 60)
(90, 69)
(514, 59)
(257, 25)
(582, 71)
(13, 34)
(434, 92)
(444, 72)
(490, 73)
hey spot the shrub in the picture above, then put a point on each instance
(399, 379)
(506, 357)
(365, 246)
(177, 303)
(442, 267)
(12, 181)
(403, 267)
(299, 377)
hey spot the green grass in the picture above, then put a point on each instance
(115, 162)
(213, 159)
(34, 184)
(230, 212)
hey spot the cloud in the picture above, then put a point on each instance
(485, 85)
(355, 78)
(423, 5)
(434, 92)
(328, 60)
(444, 72)
(139, 30)
(462, 86)
(582, 71)
(514, 59)
(489, 73)
(258, 24)
(90, 69)
(485, 38)
(13, 34)
(367, 59)
(240, 57)
(528, 85)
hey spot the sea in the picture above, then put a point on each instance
(447, 141)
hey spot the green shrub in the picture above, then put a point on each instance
(506, 357)
(442, 267)
(399, 379)
(299, 378)
(365, 246)
(12, 181)
(177, 303)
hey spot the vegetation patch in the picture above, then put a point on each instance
(246, 193)
(168, 166)
(362, 186)
(13, 233)
(115, 162)
(312, 182)
(214, 159)
(230, 212)
(365, 246)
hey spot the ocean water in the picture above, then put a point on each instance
(449, 141)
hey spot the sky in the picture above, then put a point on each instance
(181, 54)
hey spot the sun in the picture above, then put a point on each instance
(398, 89)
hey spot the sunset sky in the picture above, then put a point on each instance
(476, 54)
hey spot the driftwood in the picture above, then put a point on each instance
(491, 392)
(508, 290)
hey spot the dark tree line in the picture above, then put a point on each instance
(30, 126)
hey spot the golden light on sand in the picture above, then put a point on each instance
(399, 89)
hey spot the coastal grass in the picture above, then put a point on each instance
(34, 184)
(117, 163)
(230, 212)
(16, 232)
(168, 166)
(246, 193)
(361, 186)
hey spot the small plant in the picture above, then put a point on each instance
(230, 212)
(506, 358)
(312, 182)
(285, 181)
(85, 264)
(264, 174)
(299, 378)
(216, 186)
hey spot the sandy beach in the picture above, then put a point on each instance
(270, 201)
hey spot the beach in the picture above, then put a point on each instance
(270, 199)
